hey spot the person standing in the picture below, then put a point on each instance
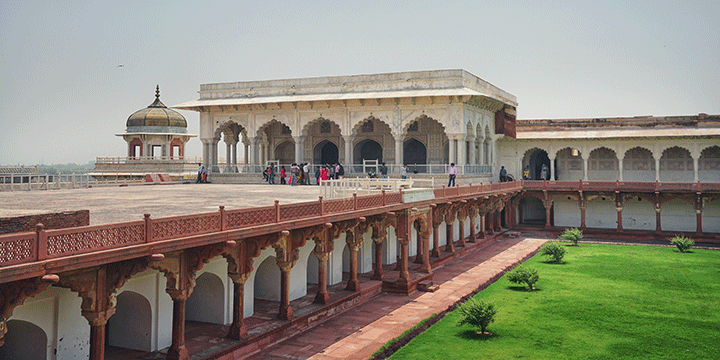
(452, 175)
(526, 172)
(383, 171)
(403, 172)
(306, 170)
(544, 172)
(340, 172)
(271, 174)
(317, 175)
(282, 175)
(503, 174)
(201, 169)
(293, 174)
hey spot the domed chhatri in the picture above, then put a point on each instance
(156, 132)
(156, 118)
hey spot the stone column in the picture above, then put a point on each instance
(247, 155)
(228, 157)
(253, 153)
(237, 328)
(583, 206)
(286, 312)
(378, 240)
(234, 157)
(585, 167)
(482, 227)
(214, 155)
(489, 228)
(462, 152)
(449, 221)
(404, 279)
(620, 169)
(552, 169)
(177, 350)
(473, 149)
(436, 236)
(473, 215)
(619, 219)
(498, 221)
(399, 151)
(658, 225)
(419, 249)
(452, 148)
(548, 207)
(322, 296)
(263, 153)
(353, 283)
(481, 151)
(348, 151)
(461, 232)
(657, 169)
(424, 237)
(298, 148)
(698, 214)
(696, 175)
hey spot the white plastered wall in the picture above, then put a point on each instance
(567, 213)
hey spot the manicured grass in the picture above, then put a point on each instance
(603, 302)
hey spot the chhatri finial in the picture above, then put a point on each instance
(157, 92)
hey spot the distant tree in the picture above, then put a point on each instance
(524, 275)
(478, 313)
(682, 243)
(553, 250)
(573, 235)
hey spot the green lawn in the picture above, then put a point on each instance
(604, 302)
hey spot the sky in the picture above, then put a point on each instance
(63, 95)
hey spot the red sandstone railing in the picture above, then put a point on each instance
(620, 186)
(49, 244)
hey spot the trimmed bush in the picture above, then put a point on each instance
(682, 243)
(478, 313)
(553, 250)
(573, 235)
(523, 275)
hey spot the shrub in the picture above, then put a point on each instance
(478, 313)
(682, 243)
(523, 275)
(553, 250)
(573, 235)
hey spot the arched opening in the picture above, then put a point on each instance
(285, 152)
(709, 165)
(414, 152)
(602, 165)
(601, 213)
(131, 326)
(267, 280)
(346, 262)
(638, 213)
(135, 148)
(678, 215)
(326, 152)
(368, 150)
(535, 159)
(207, 301)
(532, 211)
(313, 265)
(176, 146)
(638, 165)
(568, 165)
(24, 340)
(710, 216)
(676, 165)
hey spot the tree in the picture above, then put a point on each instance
(682, 243)
(554, 251)
(478, 313)
(523, 275)
(573, 235)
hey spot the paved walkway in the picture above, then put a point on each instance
(359, 332)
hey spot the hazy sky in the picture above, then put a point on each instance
(63, 96)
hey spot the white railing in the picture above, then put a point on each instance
(147, 159)
(356, 169)
(330, 189)
(18, 169)
(15, 182)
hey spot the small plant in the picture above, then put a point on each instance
(523, 275)
(478, 313)
(682, 243)
(554, 251)
(573, 235)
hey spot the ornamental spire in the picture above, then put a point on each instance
(157, 91)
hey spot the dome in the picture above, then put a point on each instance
(156, 118)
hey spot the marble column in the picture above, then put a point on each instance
(348, 152)
(399, 152)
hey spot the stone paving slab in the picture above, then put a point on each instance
(359, 332)
(128, 203)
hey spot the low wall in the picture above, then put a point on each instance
(60, 220)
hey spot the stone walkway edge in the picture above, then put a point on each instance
(432, 305)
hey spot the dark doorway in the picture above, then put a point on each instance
(532, 211)
(414, 153)
(536, 161)
(369, 150)
(326, 153)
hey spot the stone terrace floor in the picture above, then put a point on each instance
(113, 204)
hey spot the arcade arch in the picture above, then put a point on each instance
(24, 340)
(326, 152)
(676, 165)
(532, 211)
(534, 159)
(709, 164)
(285, 152)
(568, 164)
(267, 280)
(414, 152)
(602, 165)
(368, 149)
(207, 301)
(638, 165)
(323, 138)
(131, 326)
(373, 140)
